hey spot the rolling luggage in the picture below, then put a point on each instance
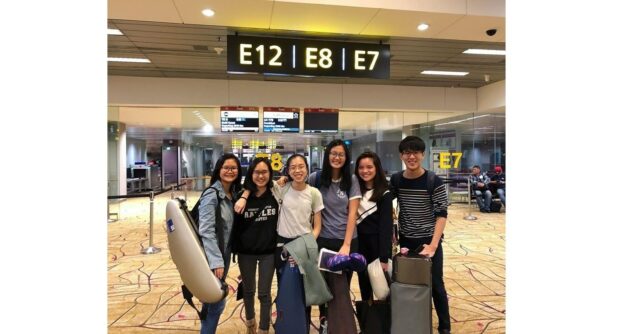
(340, 318)
(290, 303)
(411, 295)
(496, 206)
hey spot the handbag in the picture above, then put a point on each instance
(374, 317)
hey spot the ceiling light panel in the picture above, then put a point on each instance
(452, 73)
(485, 52)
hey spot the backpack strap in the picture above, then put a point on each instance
(317, 180)
(187, 295)
(219, 228)
(430, 183)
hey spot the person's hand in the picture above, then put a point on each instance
(219, 272)
(384, 266)
(344, 249)
(240, 205)
(282, 181)
(292, 261)
(428, 251)
(480, 185)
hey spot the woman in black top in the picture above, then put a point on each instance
(374, 217)
(254, 240)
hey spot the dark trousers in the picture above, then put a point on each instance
(440, 296)
(334, 245)
(247, 267)
(369, 247)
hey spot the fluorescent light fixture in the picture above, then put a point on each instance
(485, 52)
(208, 12)
(445, 73)
(423, 26)
(114, 32)
(129, 60)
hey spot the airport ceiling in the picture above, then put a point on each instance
(181, 43)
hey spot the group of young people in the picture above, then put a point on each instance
(342, 210)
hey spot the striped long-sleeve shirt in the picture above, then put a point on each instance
(418, 212)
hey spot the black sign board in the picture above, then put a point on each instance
(247, 54)
(320, 120)
(239, 119)
(278, 119)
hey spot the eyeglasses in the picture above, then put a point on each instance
(230, 169)
(336, 155)
(260, 172)
(407, 154)
(300, 167)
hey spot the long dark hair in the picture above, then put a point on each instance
(288, 165)
(249, 183)
(236, 184)
(380, 184)
(345, 172)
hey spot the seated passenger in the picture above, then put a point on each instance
(498, 184)
(480, 187)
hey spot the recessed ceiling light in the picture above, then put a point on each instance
(114, 32)
(445, 73)
(423, 26)
(208, 12)
(129, 60)
(485, 52)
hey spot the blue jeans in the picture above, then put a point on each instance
(486, 205)
(502, 195)
(214, 310)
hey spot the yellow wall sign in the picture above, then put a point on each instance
(276, 160)
(445, 159)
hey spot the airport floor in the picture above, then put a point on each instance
(144, 291)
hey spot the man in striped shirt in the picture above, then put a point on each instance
(423, 210)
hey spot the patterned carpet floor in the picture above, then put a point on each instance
(144, 291)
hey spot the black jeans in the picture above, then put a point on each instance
(369, 247)
(440, 296)
(247, 267)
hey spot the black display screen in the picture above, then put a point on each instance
(239, 119)
(281, 120)
(320, 120)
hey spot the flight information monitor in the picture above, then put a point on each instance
(320, 120)
(239, 119)
(279, 119)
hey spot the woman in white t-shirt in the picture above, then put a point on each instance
(300, 204)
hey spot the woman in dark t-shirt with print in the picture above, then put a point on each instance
(254, 240)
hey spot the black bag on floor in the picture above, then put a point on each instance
(374, 317)
(496, 206)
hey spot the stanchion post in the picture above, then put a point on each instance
(469, 215)
(151, 249)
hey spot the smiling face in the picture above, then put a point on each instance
(337, 157)
(412, 159)
(367, 170)
(229, 171)
(260, 176)
(297, 169)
